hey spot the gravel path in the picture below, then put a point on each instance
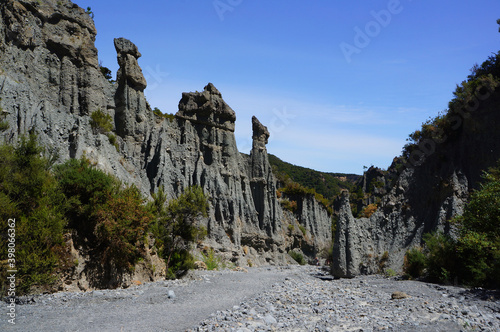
(264, 299)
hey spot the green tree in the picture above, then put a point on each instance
(106, 72)
(478, 246)
(441, 257)
(176, 227)
(30, 195)
(112, 219)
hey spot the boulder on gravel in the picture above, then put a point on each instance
(200, 265)
(399, 295)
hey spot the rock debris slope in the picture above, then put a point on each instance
(50, 83)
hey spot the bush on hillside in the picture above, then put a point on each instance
(482, 81)
(298, 257)
(369, 210)
(414, 263)
(175, 226)
(30, 195)
(100, 122)
(112, 218)
(474, 258)
(478, 247)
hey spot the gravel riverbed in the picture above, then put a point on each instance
(292, 298)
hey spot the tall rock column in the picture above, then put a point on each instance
(352, 241)
(131, 106)
(262, 180)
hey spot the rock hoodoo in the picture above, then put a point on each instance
(50, 82)
(132, 110)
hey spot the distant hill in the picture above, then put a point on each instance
(327, 184)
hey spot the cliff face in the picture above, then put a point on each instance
(421, 196)
(50, 82)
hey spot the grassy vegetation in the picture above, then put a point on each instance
(101, 122)
(211, 260)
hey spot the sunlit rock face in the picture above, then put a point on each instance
(51, 83)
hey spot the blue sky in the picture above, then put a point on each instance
(339, 84)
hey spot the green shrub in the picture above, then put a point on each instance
(303, 230)
(175, 226)
(289, 205)
(390, 273)
(293, 188)
(298, 257)
(211, 260)
(414, 263)
(113, 141)
(326, 252)
(112, 219)
(180, 262)
(4, 125)
(157, 111)
(121, 225)
(106, 72)
(101, 122)
(369, 210)
(30, 195)
(478, 247)
(168, 116)
(440, 252)
(383, 261)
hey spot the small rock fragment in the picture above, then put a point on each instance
(399, 295)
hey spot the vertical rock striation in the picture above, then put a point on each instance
(132, 110)
(50, 82)
(415, 200)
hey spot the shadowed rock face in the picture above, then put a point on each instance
(419, 199)
(50, 82)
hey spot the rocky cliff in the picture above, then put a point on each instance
(50, 83)
(419, 195)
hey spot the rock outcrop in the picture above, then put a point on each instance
(50, 83)
(132, 111)
(418, 198)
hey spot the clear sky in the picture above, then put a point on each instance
(339, 84)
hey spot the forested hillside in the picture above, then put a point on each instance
(327, 184)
